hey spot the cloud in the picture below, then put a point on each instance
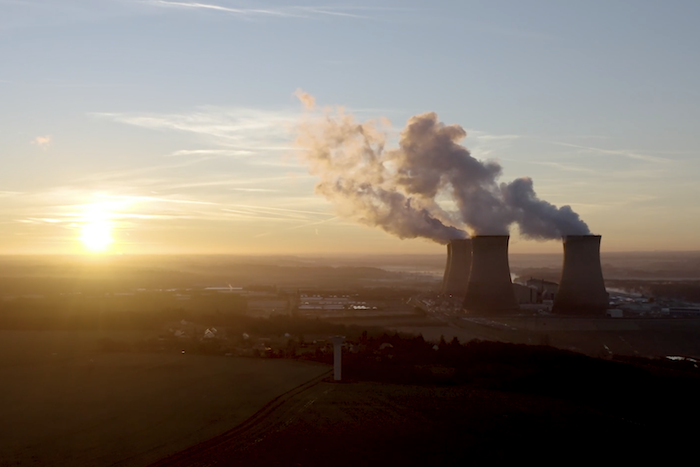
(566, 167)
(213, 152)
(630, 154)
(256, 190)
(232, 129)
(152, 198)
(488, 145)
(209, 6)
(58, 214)
(227, 181)
(277, 164)
(42, 141)
(278, 12)
(296, 227)
(329, 11)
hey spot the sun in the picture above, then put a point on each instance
(97, 236)
(96, 229)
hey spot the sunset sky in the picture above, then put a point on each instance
(134, 127)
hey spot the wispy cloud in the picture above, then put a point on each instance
(296, 227)
(72, 209)
(42, 141)
(301, 218)
(293, 11)
(566, 167)
(214, 152)
(623, 201)
(152, 198)
(224, 9)
(329, 11)
(630, 154)
(254, 141)
(279, 164)
(485, 145)
(229, 182)
(237, 129)
(284, 210)
(255, 190)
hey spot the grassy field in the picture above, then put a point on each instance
(65, 403)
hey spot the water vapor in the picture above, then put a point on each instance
(404, 190)
(350, 161)
(537, 218)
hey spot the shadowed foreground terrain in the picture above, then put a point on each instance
(65, 403)
(403, 401)
(485, 402)
(365, 423)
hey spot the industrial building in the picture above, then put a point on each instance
(525, 294)
(546, 289)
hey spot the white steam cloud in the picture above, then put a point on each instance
(398, 189)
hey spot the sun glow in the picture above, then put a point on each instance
(97, 236)
(96, 230)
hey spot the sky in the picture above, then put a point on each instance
(169, 127)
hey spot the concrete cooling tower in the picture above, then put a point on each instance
(459, 261)
(490, 289)
(581, 289)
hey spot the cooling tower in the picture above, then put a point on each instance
(459, 260)
(581, 289)
(448, 264)
(490, 289)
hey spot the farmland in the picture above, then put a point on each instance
(67, 403)
(381, 424)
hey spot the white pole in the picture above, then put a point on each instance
(337, 356)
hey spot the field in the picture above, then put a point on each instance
(66, 403)
(373, 424)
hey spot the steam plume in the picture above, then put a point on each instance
(430, 161)
(401, 189)
(350, 160)
(307, 100)
(537, 218)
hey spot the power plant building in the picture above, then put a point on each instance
(547, 290)
(526, 295)
(490, 289)
(582, 288)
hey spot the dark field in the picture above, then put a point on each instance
(65, 403)
(365, 423)
(489, 402)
